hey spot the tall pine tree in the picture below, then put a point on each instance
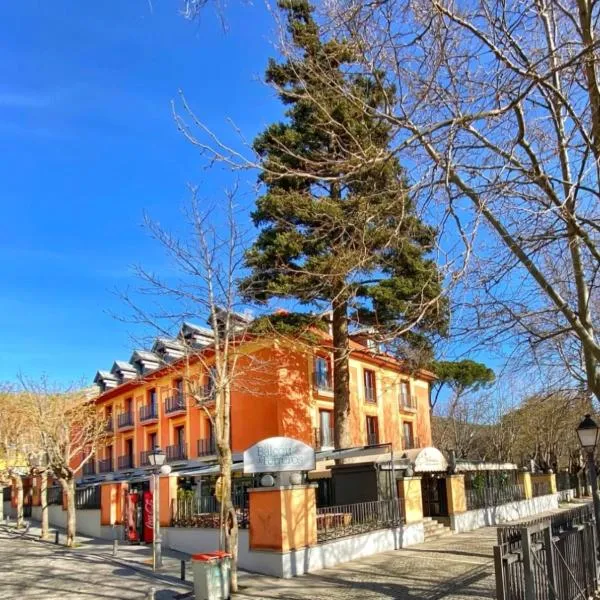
(337, 227)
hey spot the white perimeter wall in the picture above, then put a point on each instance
(474, 519)
(88, 521)
(297, 562)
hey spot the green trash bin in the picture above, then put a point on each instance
(211, 572)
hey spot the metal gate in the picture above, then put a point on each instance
(552, 559)
(433, 491)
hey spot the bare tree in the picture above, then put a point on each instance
(203, 286)
(67, 428)
(499, 111)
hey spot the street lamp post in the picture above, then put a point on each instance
(588, 438)
(156, 459)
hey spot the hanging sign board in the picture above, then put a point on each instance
(278, 454)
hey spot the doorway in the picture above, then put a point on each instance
(433, 491)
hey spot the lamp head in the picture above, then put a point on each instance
(587, 431)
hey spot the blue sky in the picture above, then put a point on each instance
(88, 143)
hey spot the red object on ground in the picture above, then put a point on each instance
(206, 556)
(131, 516)
(148, 524)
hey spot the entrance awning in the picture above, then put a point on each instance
(425, 460)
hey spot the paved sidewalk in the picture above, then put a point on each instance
(458, 567)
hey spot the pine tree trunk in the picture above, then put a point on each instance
(341, 375)
(69, 489)
(19, 484)
(44, 505)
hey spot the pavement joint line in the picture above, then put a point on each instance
(119, 562)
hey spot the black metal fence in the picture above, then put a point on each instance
(345, 520)
(548, 559)
(487, 497)
(485, 489)
(541, 488)
(54, 494)
(87, 498)
(205, 511)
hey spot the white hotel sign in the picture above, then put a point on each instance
(279, 454)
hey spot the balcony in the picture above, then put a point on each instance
(148, 413)
(175, 404)
(89, 468)
(411, 443)
(176, 452)
(324, 438)
(144, 460)
(408, 403)
(323, 382)
(110, 425)
(105, 465)
(207, 447)
(125, 462)
(125, 420)
(372, 438)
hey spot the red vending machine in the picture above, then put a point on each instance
(148, 523)
(131, 513)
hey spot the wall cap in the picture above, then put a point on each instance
(284, 487)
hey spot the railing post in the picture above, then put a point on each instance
(499, 570)
(527, 564)
(550, 566)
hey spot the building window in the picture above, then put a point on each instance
(180, 436)
(370, 387)
(323, 380)
(372, 431)
(409, 436)
(325, 429)
(152, 441)
(128, 405)
(179, 389)
(152, 399)
(405, 394)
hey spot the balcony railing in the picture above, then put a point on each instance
(324, 438)
(125, 419)
(207, 447)
(105, 465)
(144, 460)
(175, 403)
(372, 438)
(411, 443)
(125, 462)
(89, 468)
(323, 382)
(176, 452)
(208, 392)
(408, 402)
(148, 412)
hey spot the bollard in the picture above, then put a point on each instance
(56, 534)
(182, 575)
(151, 594)
(115, 548)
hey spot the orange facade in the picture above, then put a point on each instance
(282, 390)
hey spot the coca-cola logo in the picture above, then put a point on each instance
(148, 511)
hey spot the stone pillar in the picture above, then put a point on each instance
(411, 499)
(283, 518)
(167, 495)
(36, 498)
(524, 478)
(111, 502)
(455, 494)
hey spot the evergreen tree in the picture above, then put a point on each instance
(337, 227)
